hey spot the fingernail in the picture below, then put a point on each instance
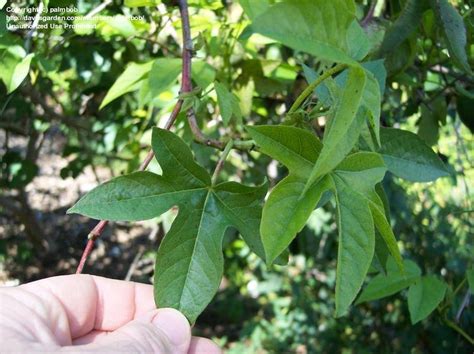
(174, 325)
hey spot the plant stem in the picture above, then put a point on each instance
(458, 329)
(309, 90)
(220, 163)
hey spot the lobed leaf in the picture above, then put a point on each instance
(189, 261)
(359, 207)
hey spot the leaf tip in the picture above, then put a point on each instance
(71, 210)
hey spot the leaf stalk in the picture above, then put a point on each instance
(309, 90)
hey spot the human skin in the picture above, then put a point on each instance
(87, 314)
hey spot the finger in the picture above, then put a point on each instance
(96, 303)
(91, 337)
(203, 346)
(159, 331)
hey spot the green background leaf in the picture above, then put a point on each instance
(454, 32)
(424, 296)
(384, 285)
(318, 27)
(408, 157)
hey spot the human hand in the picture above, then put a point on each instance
(84, 314)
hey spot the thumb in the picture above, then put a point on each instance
(160, 331)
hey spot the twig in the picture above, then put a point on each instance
(185, 87)
(199, 136)
(220, 163)
(309, 90)
(458, 329)
(134, 264)
(98, 9)
(370, 14)
(34, 26)
(464, 304)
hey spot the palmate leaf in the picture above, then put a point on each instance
(189, 262)
(360, 210)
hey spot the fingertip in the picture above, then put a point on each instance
(203, 346)
(175, 325)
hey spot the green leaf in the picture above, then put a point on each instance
(296, 148)
(317, 27)
(2, 4)
(394, 281)
(385, 230)
(356, 245)
(353, 182)
(344, 128)
(203, 73)
(377, 68)
(224, 100)
(321, 91)
(160, 74)
(14, 66)
(432, 116)
(189, 262)
(403, 27)
(286, 212)
(371, 96)
(164, 72)
(127, 81)
(20, 73)
(408, 157)
(287, 209)
(141, 3)
(254, 8)
(357, 41)
(424, 296)
(454, 32)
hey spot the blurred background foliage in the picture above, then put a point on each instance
(56, 144)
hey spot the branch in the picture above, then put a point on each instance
(199, 136)
(185, 87)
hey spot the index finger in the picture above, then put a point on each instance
(96, 303)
